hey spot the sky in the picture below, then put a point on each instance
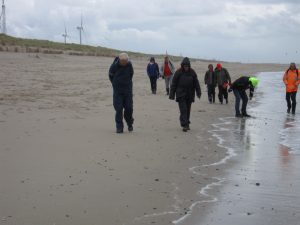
(234, 30)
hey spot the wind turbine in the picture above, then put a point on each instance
(3, 18)
(65, 35)
(80, 29)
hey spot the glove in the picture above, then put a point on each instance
(251, 96)
(230, 90)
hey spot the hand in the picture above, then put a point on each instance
(199, 96)
(251, 96)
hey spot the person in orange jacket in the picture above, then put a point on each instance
(291, 80)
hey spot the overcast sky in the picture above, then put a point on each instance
(233, 30)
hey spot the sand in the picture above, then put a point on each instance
(62, 163)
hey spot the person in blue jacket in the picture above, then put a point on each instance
(120, 75)
(153, 74)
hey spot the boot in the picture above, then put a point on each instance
(168, 91)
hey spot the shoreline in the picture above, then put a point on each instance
(62, 163)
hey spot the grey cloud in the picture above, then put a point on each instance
(227, 30)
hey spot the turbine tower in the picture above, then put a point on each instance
(3, 19)
(80, 29)
(65, 35)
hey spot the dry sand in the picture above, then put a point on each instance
(62, 163)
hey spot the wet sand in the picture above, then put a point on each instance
(263, 185)
(62, 163)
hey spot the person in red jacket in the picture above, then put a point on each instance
(291, 79)
(167, 71)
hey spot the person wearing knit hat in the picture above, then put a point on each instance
(223, 81)
(153, 74)
(120, 75)
(184, 86)
(239, 88)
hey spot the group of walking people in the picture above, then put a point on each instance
(183, 86)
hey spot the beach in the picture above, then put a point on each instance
(62, 163)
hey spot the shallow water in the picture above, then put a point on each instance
(263, 186)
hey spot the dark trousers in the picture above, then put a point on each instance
(291, 101)
(240, 95)
(123, 102)
(223, 93)
(211, 91)
(153, 81)
(185, 111)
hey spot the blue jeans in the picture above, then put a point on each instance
(123, 102)
(240, 95)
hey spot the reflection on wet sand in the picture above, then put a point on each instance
(263, 186)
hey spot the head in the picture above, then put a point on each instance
(186, 64)
(219, 66)
(253, 81)
(210, 67)
(152, 60)
(166, 59)
(293, 66)
(123, 59)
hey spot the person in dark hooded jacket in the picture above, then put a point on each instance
(120, 75)
(153, 74)
(184, 86)
(210, 80)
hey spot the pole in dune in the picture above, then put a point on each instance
(3, 18)
(80, 29)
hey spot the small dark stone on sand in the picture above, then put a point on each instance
(249, 214)
(68, 216)
(257, 184)
(156, 180)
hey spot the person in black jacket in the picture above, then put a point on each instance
(210, 80)
(120, 75)
(239, 88)
(184, 85)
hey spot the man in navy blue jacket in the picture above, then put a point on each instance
(120, 75)
(153, 74)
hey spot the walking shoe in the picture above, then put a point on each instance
(289, 110)
(238, 116)
(185, 129)
(130, 128)
(119, 131)
(293, 112)
(226, 101)
(246, 115)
